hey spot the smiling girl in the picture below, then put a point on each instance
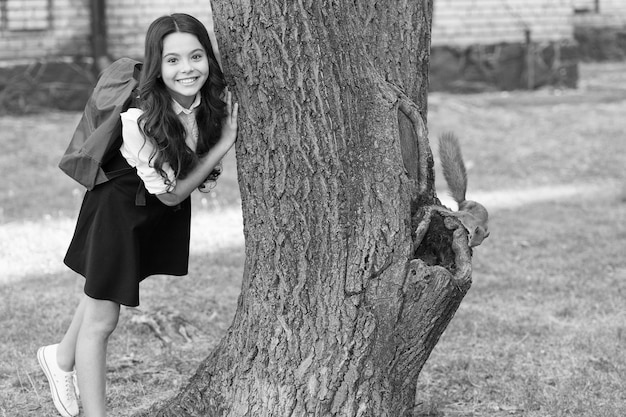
(137, 224)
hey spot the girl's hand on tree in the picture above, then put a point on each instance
(229, 124)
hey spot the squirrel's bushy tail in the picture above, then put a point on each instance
(453, 167)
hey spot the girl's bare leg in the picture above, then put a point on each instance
(99, 321)
(66, 351)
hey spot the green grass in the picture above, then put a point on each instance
(542, 331)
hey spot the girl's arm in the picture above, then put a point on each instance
(184, 187)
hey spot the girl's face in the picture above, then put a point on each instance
(184, 66)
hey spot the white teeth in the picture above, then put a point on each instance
(187, 81)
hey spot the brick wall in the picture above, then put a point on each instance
(127, 24)
(32, 30)
(485, 22)
(40, 29)
(615, 7)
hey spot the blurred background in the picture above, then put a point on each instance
(51, 50)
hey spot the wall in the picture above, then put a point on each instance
(42, 29)
(32, 30)
(486, 22)
(481, 43)
(128, 22)
(35, 30)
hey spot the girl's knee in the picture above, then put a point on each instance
(100, 317)
(102, 326)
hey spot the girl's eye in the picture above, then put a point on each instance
(171, 60)
(197, 57)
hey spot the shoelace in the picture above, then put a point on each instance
(69, 386)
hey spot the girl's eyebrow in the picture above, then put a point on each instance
(165, 53)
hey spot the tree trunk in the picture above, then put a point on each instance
(351, 276)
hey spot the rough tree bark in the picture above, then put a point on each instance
(350, 276)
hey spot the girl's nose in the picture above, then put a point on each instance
(186, 66)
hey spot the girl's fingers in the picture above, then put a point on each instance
(234, 112)
(231, 109)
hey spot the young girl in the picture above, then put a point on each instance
(137, 224)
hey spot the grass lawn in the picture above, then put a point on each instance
(542, 331)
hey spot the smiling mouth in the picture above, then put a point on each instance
(187, 81)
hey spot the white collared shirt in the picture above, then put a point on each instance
(188, 117)
(137, 149)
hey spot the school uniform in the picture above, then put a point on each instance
(124, 233)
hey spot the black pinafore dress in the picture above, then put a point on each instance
(125, 234)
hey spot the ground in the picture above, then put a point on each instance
(542, 331)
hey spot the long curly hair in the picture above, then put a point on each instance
(158, 121)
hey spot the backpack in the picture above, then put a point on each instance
(98, 136)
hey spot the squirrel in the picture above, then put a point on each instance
(473, 216)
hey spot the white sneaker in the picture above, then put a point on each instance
(61, 382)
(75, 381)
